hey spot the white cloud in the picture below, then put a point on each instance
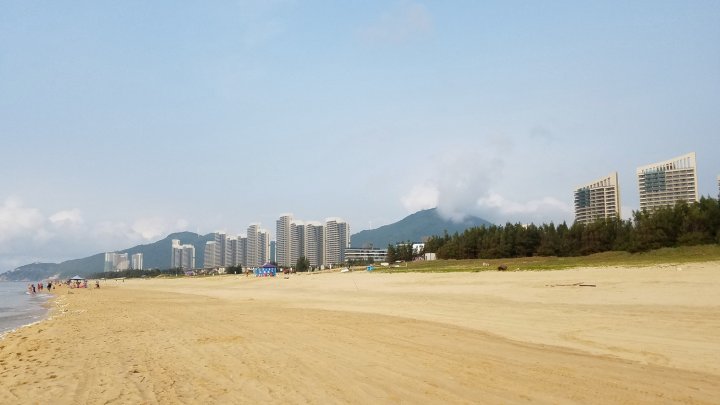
(27, 235)
(181, 224)
(514, 211)
(463, 176)
(421, 197)
(403, 23)
(156, 227)
(149, 228)
(17, 220)
(463, 181)
(67, 218)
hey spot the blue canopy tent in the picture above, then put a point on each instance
(267, 270)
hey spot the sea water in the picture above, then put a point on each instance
(17, 308)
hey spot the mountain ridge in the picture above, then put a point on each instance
(155, 255)
(416, 227)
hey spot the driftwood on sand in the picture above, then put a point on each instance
(581, 284)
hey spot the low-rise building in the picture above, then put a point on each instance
(365, 255)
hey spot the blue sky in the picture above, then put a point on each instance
(123, 121)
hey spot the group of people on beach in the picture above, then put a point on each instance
(32, 289)
(36, 288)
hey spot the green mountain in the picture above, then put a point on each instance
(155, 255)
(416, 227)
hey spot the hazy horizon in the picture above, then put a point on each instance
(122, 123)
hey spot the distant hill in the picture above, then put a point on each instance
(155, 255)
(415, 228)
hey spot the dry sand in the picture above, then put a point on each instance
(642, 335)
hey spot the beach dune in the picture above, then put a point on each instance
(631, 335)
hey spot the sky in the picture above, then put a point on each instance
(121, 122)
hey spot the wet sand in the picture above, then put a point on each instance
(640, 335)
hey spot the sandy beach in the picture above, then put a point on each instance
(630, 335)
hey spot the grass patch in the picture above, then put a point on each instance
(684, 254)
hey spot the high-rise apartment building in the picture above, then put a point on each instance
(137, 261)
(242, 251)
(188, 256)
(273, 252)
(212, 255)
(122, 262)
(183, 256)
(224, 252)
(252, 257)
(221, 249)
(263, 247)
(297, 241)
(116, 261)
(109, 259)
(176, 258)
(235, 251)
(315, 243)
(598, 199)
(666, 183)
(283, 240)
(256, 246)
(337, 239)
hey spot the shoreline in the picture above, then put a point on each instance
(38, 311)
(639, 336)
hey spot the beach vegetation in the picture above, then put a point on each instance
(302, 264)
(237, 269)
(679, 225)
(400, 252)
(673, 258)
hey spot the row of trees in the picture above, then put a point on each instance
(681, 224)
(401, 251)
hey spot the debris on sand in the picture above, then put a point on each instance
(581, 284)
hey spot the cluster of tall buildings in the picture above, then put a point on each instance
(660, 184)
(252, 250)
(183, 256)
(322, 244)
(119, 261)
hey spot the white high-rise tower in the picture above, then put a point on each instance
(598, 199)
(666, 183)
(283, 238)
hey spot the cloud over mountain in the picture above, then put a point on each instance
(464, 182)
(27, 234)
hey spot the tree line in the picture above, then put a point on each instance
(682, 224)
(401, 251)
